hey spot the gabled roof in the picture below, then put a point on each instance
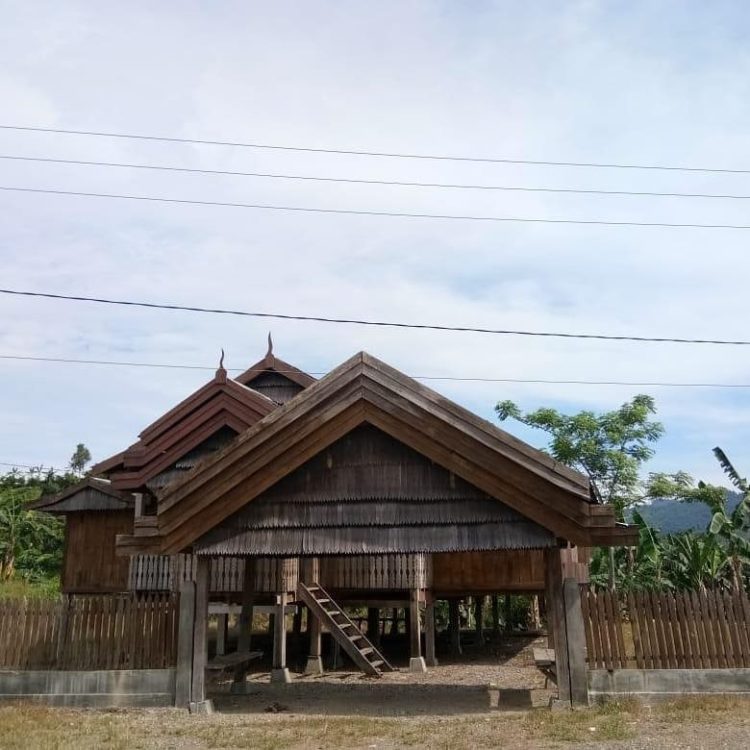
(222, 402)
(89, 494)
(271, 363)
(366, 390)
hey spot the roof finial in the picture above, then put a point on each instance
(221, 373)
(269, 353)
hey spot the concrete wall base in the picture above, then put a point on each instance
(117, 688)
(666, 684)
(281, 675)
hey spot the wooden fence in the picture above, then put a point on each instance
(89, 632)
(666, 630)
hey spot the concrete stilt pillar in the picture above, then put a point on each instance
(416, 662)
(280, 672)
(495, 616)
(314, 659)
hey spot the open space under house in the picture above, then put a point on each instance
(276, 492)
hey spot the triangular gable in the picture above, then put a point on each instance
(368, 493)
(365, 390)
(89, 494)
(222, 402)
(271, 363)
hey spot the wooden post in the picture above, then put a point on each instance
(576, 637)
(535, 618)
(478, 619)
(315, 658)
(221, 634)
(335, 654)
(394, 622)
(280, 673)
(373, 626)
(198, 702)
(429, 632)
(245, 637)
(495, 616)
(184, 676)
(297, 630)
(416, 662)
(455, 627)
(507, 613)
(554, 581)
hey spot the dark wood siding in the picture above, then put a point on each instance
(488, 572)
(90, 565)
(368, 493)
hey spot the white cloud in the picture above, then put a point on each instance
(575, 81)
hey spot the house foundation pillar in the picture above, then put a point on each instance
(416, 663)
(280, 672)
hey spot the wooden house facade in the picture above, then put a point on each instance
(364, 485)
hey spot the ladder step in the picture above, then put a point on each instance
(376, 664)
(358, 637)
(365, 651)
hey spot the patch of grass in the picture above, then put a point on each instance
(708, 709)
(20, 588)
(610, 721)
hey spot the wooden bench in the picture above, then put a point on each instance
(544, 659)
(239, 661)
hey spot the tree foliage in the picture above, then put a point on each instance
(31, 542)
(610, 448)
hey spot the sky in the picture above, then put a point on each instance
(663, 83)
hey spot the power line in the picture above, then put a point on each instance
(28, 467)
(362, 181)
(361, 212)
(450, 378)
(387, 154)
(375, 323)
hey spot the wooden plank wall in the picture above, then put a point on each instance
(666, 630)
(376, 572)
(122, 631)
(490, 572)
(90, 565)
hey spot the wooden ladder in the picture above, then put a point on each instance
(348, 635)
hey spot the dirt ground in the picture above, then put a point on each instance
(494, 697)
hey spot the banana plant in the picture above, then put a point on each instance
(731, 528)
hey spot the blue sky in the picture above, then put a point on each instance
(665, 83)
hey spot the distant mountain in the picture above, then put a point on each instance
(670, 516)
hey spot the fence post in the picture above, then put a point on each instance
(184, 676)
(576, 638)
(62, 633)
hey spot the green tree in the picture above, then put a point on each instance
(29, 541)
(610, 448)
(79, 459)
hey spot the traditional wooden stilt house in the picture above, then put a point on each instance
(365, 487)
